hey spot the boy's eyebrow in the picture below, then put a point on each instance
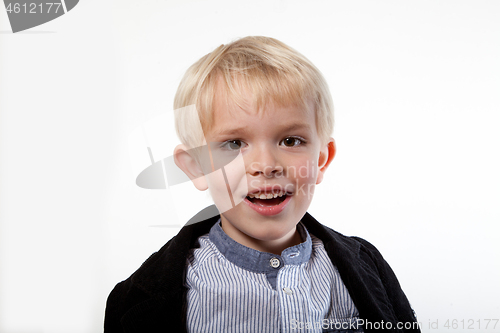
(296, 127)
(231, 131)
(243, 129)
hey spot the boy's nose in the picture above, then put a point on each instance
(265, 162)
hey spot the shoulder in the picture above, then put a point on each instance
(168, 261)
(332, 239)
(345, 250)
(157, 283)
(136, 290)
(364, 272)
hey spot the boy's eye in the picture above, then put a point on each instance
(291, 142)
(232, 144)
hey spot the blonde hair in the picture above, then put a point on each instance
(269, 69)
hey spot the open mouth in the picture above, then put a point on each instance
(269, 202)
(267, 199)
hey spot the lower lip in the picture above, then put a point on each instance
(269, 210)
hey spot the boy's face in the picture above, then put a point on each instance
(283, 158)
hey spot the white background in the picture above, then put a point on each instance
(416, 92)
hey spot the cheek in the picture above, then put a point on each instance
(304, 174)
(219, 190)
(236, 177)
(228, 185)
(303, 171)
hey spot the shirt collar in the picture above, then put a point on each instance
(257, 261)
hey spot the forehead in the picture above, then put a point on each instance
(230, 117)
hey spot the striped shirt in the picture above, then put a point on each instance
(233, 288)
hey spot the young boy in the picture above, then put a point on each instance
(257, 261)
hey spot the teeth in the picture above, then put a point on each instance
(267, 196)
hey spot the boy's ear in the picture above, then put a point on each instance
(326, 156)
(190, 166)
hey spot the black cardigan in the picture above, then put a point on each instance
(152, 299)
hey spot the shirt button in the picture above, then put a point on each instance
(275, 262)
(288, 291)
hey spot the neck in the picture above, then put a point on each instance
(275, 246)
